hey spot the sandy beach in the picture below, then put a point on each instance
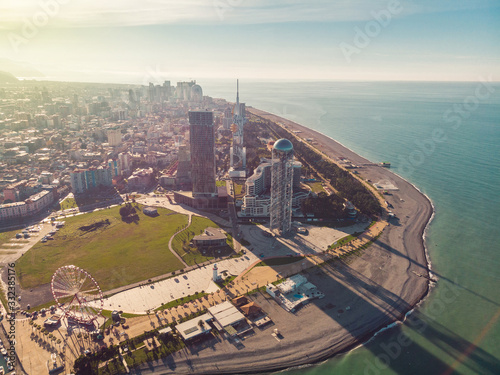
(363, 294)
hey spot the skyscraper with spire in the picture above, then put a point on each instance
(238, 152)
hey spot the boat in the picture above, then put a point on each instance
(2, 371)
(3, 351)
(385, 164)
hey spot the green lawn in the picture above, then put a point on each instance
(198, 225)
(116, 254)
(220, 183)
(238, 189)
(343, 241)
(68, 203)
(182, 300)
(316, 187)
(5, 237)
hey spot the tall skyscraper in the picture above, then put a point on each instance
(238, 152)
(202, 144)
(281, 186)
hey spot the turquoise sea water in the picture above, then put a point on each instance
(445, 139)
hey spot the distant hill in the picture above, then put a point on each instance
(7, 78)
(19, 68)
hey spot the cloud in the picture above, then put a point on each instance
(118, 13)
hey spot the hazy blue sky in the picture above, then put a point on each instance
(140, 41)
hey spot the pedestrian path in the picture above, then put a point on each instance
(172, 239)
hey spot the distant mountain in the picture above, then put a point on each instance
(7, 78)
(19, 69)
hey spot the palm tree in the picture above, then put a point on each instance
(201, 324)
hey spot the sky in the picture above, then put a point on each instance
(154, 40)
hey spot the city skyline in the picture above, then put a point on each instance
(136, 42)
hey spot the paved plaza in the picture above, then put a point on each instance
(315, 241)
(151, 296)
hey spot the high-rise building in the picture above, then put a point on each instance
(78, 184)
(238, 152)
(114, 137)
(202, 144)
(183, 90)
(184, 167)
(227, 120)
(196, 93)
(281, 186)
(114, 167)
(260, 181)
(95, 177)
(125, 162)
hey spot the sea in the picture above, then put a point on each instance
(443, 137)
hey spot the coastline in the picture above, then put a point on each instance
(292, 124)
(386, 272)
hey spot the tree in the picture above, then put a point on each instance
(201, 324)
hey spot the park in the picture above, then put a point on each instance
(117, 252)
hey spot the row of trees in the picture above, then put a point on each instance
(325, 206)
(255, 148)
(347, 185)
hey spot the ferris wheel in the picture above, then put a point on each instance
(77, 294)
